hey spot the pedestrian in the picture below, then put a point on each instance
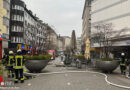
(123, 65)
(9, 64)
(78, 63)
(18, 66)
(62, 57)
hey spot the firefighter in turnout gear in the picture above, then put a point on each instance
(9, 64)
(123, 65)
(18, 66)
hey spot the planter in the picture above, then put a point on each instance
(107, 66)
(67, 62)
(36, 65)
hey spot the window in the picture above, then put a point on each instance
(18, 29)
(7, 30)
(19, 39)
(13, 39)
(12, 17)
(21, 18)
(8, 14)
(90, 12)
(89, 20)
(12, 28)
(17, 7)
(16, 39)
(13, 6)
(15, 28)
(15, 17)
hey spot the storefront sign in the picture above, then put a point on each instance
(20, 46)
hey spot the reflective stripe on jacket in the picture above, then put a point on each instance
(123, 63)
(18, 62)
(10, 61)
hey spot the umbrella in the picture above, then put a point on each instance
(87, 51)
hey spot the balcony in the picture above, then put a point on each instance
(7, 4)
(5, 21)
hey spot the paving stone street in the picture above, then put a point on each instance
(72, 81)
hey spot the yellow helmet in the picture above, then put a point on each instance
(11, 52)
(19, 50)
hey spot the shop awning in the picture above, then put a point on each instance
(92, 49)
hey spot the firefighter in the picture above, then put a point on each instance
(123, 62)
(9, 64)
(18, 66)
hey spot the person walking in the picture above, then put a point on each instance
(18, 66)
(62, 57)
(123, 65)
(78, 63)
(9, 64)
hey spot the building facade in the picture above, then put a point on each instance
(16, 23)
(4, 25)
(67, 42)
(86, 24)
(27, 31)
(52, 39)
(117, 13)
(60, 45)
(78, 41)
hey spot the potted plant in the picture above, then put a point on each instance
(81, 58)
(36, 63)
(107, 64)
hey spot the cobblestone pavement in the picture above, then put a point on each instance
(69, 81)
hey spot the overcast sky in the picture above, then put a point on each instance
(63, 15)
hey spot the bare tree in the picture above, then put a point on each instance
(104, 36)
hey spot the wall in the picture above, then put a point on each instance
(3, 12)
(116, 12)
